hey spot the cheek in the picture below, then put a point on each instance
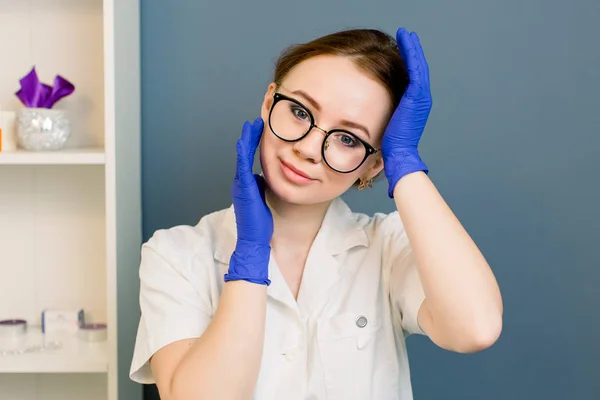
(354, 177)
(263, 153)
(339, 183)
(268, 148)
(267, 145)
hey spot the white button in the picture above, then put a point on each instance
(291, 353)
(361, 321)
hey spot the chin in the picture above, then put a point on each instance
(294, 194)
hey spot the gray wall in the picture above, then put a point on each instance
(513, 145)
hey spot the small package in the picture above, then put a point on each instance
(8, 141)
(62, 321)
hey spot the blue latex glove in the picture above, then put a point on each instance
(402, 135)
(250, 259)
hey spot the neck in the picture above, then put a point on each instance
(295, 225)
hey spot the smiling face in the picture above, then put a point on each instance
(339, 96)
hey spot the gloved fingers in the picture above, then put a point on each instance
(256, 131)
(423, 67)
(246, 148)
(401, 48)
(412, 61)
(242, 152)
(407, 47)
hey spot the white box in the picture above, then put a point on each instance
(62, 321)
(9, 134)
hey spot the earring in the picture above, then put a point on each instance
(365, 183)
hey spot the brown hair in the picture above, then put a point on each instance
(372, 50)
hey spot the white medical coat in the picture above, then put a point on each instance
(344, 336)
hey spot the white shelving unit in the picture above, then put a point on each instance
(85, 156)
(70, 220)
(75, 356)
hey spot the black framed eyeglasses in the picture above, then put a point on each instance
(342, 151)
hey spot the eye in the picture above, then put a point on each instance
(300, 113)
(346, 140)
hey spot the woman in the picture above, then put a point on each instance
(290, 295)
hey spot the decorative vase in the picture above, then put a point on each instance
(42, 129)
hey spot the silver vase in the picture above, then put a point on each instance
(42, 129)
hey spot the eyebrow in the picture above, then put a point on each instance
(344, 122)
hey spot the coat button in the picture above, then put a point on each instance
(291, 353)
(361, 321)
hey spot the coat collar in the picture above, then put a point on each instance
(340, 231)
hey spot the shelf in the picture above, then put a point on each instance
(84, 156)
(75, 355)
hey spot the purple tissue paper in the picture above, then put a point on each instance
(35, 94)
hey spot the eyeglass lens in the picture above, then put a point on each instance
(342, 151)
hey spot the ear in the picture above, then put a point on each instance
(268, 99)
(375, 168)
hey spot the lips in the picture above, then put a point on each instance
(296, 170)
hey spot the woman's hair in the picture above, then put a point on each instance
(374, 51)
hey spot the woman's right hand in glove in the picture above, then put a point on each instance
(254, 221)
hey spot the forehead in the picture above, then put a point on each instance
(343, 90)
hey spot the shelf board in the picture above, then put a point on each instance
(83, 156)
(75, 355)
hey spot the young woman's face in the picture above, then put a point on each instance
(338, 95)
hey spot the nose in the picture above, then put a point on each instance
(310, 146)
